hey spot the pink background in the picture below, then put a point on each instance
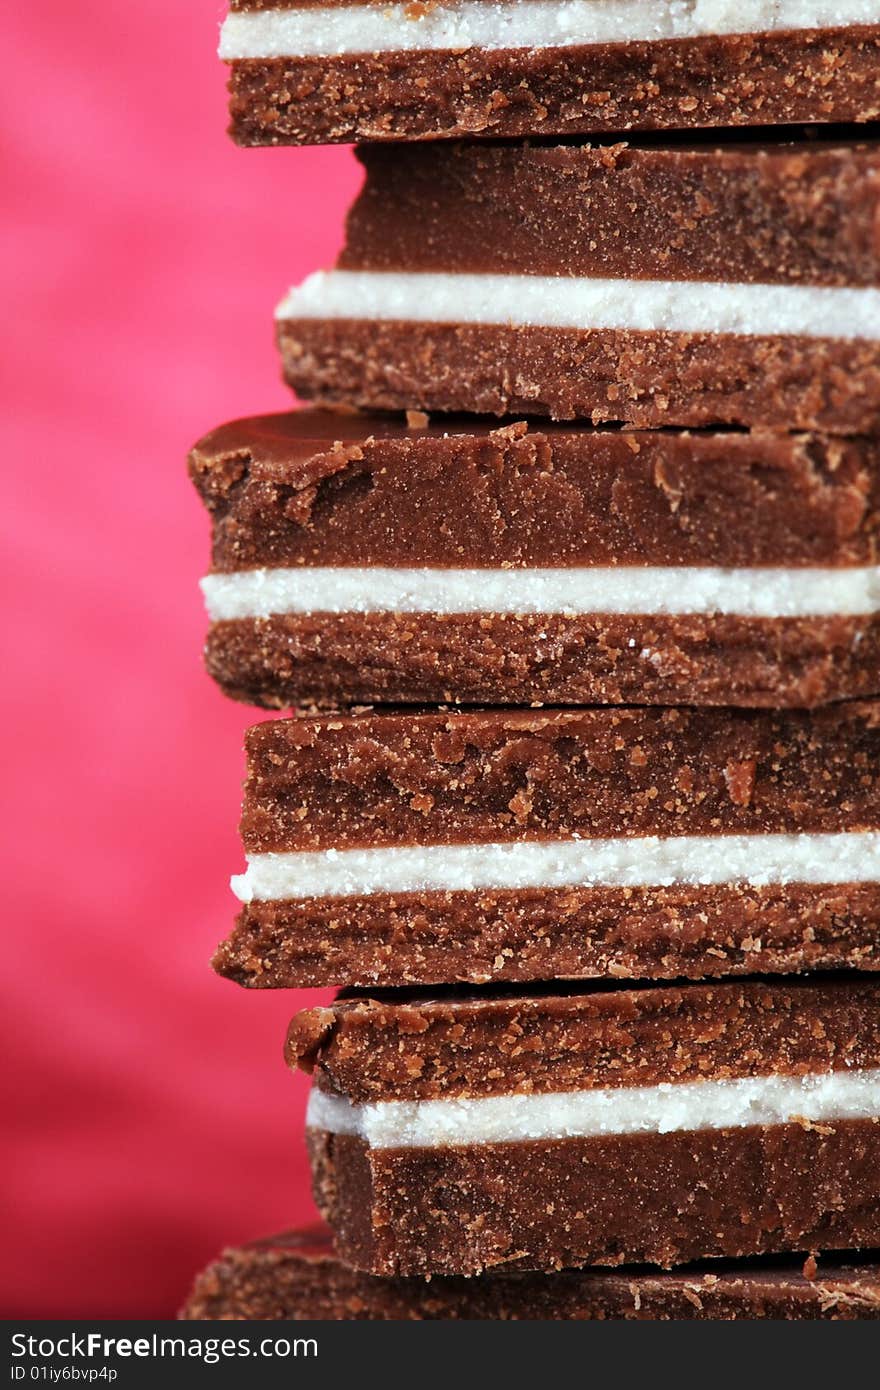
(149, 1117)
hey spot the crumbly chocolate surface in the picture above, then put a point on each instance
(382, 939)
(297, 1277)
(820, 75)
(311, 488)
(797, 213)
(352, 781)
(661, 1199)
(328, 661)
(345, 781)
(647, 379)
(664, 1198)
(370, 1048)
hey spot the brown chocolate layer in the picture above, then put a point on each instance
(315, 489)
(804, 213)
(820, 75)
(309, 488)
(296, 1276)
(574, 933)
(394, 1047)
(659, 1198)
(387, 658)
(485, 776)
(640, 378)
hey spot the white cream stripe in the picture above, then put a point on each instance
(637, 861)
(583, 302)
(663, 1109)
(749, 593)
(318, 31)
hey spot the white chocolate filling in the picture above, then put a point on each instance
(325, 31)
(633, 862)
(585, 303)
(629, 589)
(662, 1109)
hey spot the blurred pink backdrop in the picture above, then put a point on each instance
(148, 1115)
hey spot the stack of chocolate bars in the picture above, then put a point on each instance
(571, 576)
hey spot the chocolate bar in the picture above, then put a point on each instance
(452, 1135)
(297, 1277)
(407, 848)
(651, 285)
(345, 70)
(356, 560)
